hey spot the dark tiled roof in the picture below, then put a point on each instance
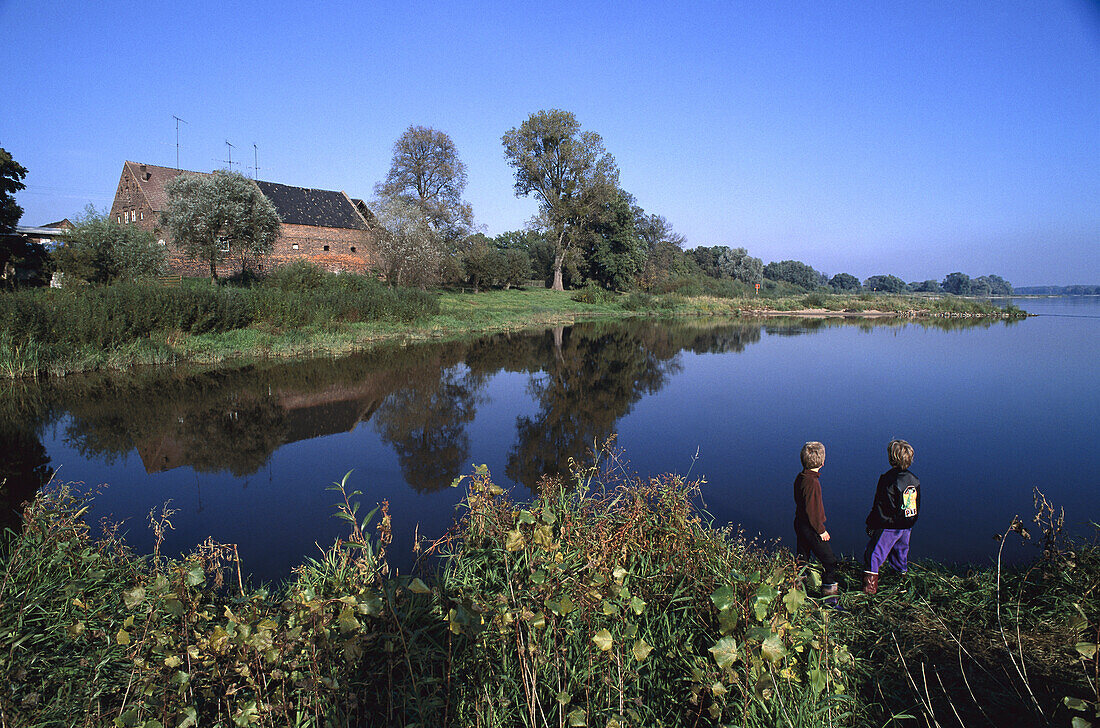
(304, 206)
(295, 205)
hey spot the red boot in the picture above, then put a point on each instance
(870, 583)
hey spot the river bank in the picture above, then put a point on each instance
(606, 602)
(279, 335)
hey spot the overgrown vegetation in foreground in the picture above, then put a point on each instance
(301, 311)
(614, 604)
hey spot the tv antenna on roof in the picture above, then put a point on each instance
(178, 120)
(256, 168)
(229, 150)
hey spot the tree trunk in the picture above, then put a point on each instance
(559, 259)
(213, 271)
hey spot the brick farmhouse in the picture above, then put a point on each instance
(322, 226)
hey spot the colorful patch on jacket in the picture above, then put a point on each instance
(909, 502)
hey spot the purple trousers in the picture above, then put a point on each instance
(887, 544)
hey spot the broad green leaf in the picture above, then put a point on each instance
(631, 630)
(123, 637)
(525, 516)
(637, 605)
(1075, 703)
(724, 598)
(762, 601)
(347, 620)
(564, 698)
(495, 490)
(603, 640)
(1079, 722)
(578, 718)
(1086, 649)
(247, 714)
(772, 649)
(371, 605)
(418, 587)
(794, 599)
(514, 541)
(641, 650)
(727, 621)
(566, 605)
(195, 576)
(538, 577)
(619, 573)
(724, 651)
(538, 621)
(544, 537)
(129, 719)
(190, 718)
(133, 597)
(608, 608)
(172, 661)
(817, 680)
(75, 629)
(718, 689)
(549, 517)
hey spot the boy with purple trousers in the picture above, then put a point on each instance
(893, 513)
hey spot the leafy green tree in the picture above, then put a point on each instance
(929, 286)
(707, 258)
(957, 284)
(11, 181)
(99, 250)
(844, 282)
(615, 253)
(796, 272)
(884, 284)
(980, 287)
(568, 171)
(997, 286)
(427, 172)
(212, 216)
(516, 267)
(410, 248)
(483, 265)
(664, 248)
(736, 263)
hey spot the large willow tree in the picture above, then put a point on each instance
(567, 170)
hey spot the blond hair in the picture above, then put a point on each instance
(813, 455)
(900, 453)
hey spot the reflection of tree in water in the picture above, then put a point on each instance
(238, 436)
(24, 469)
(593, 376)
(425, 422)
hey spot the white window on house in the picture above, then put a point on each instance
(161, 242)
(223, 245)
(294, 246)
(119, 219)
(141, 216)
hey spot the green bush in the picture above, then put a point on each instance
(593, 294)
(814, 300)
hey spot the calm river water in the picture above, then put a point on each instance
(993, 410)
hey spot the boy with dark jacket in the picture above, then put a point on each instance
(809, 517)
(893, 513)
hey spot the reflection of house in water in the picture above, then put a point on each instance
(304, 416)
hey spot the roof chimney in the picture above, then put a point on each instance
(145, 174)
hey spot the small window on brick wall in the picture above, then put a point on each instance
(119, 218)
(326, 248)
(353, 248)
(141, 216)
(294, 246)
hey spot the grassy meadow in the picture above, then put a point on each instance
(304, 312)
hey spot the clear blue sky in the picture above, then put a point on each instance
(907, 138)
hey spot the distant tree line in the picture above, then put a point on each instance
(1059, 290)
(588, 230)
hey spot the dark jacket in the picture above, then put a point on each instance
(897, 500)
(808, 507)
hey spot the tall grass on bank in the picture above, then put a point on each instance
(612, 605)
(43, 326)
(995, 646)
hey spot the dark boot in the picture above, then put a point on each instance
(870, 583)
